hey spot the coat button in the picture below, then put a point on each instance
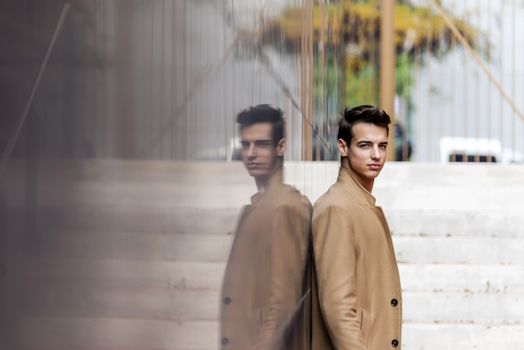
(225, 341)
(394, 343)
(394, 302)
(227, 300)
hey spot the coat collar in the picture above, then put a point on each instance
(346, 179)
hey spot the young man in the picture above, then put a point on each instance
(265, 291)
(357, 280)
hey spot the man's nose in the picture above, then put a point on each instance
(375, 153)
(251, 151)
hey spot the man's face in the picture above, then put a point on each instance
(258, 151)
(367, 152)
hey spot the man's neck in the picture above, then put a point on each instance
(264, 182)
(364, 182)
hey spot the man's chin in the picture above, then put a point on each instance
(256, 172)
(372, 174)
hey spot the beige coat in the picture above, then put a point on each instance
(265, 295)
(357, 303)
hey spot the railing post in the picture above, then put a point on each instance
(306, 79)
(387, 67)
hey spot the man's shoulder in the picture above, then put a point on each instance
(288, 196)
(335, 197)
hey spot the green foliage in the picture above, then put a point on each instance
(346, 70)
(361, 87)
(352, 26)
(404, 75)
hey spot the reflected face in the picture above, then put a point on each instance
(367, 152)
(258, 152)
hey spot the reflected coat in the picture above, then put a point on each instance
(357, 303)
(265, 300)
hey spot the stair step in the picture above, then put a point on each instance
(148, 218)
(146, 303)
(395, 174)
(117, 334)
(84, 299)
(140, 246)
(411, 174)
(415, 186)
(212, 247)
(466, 306)
(214, 195)
(431, 336)
(129, 334)
(128, 273)
(408, 186)
(138, 217)
(208, 275)
(462, 277)
(459, 250)
(460, 198)
(457, 223)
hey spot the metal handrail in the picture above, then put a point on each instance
(477, 58)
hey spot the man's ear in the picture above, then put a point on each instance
(281, 147)
(343, 148)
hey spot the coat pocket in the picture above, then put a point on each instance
(365, 319)
(261, 316)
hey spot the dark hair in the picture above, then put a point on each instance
(264, 114)
(361, 114)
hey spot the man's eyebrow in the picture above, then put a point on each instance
(369, 141)
(256, 140)
(263, 141)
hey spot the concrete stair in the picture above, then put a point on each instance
(131, 254)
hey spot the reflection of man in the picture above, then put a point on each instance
(265, 286)
(356, 271)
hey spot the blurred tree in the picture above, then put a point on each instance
(349, 33)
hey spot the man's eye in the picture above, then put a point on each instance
(244, 145)
(383, 146)
(364, 145)
(263, 144)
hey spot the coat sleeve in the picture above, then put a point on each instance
(335, 264)
(288, 250)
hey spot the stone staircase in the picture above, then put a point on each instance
(129, 255)
(458, 232)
